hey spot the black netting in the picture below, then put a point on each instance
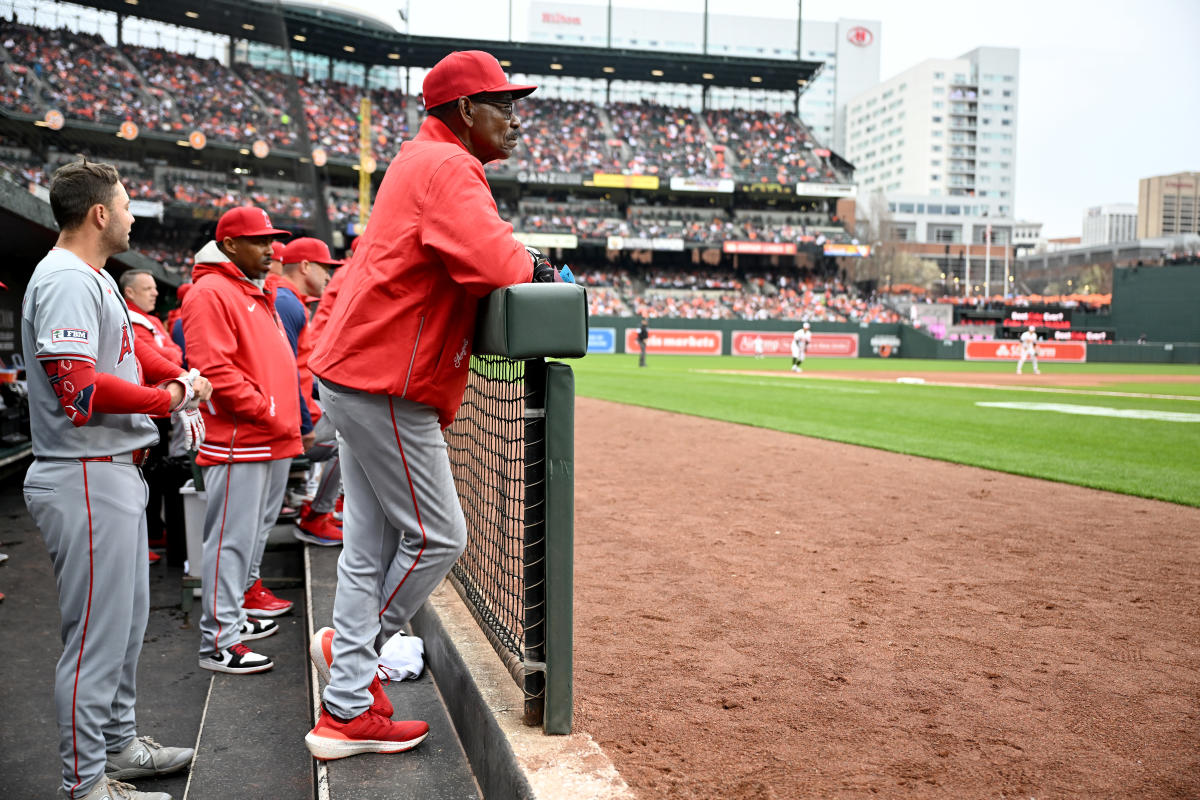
(487, 445)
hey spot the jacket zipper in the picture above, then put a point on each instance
(411, 361)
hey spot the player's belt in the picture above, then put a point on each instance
(136, 457)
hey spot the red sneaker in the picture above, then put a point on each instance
(319, 530)
(367, 733)
(260, 601)
(154, 557)
(307, 515)
(320, 651)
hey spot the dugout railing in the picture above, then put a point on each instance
(512, 454)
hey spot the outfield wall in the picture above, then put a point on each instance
(831, 339)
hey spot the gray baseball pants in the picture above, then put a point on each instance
(240, 498)
(272, 504)
(326, 451)
(92, 518)
(403, 529)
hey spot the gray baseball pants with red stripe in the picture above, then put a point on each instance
(241, 496)
(92, 518)
(403, 529)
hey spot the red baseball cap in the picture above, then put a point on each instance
(246, 221)
(277, 251)
(307, 248)
(464, 73)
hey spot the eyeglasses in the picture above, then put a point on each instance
(506, 109)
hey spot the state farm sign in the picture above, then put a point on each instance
(1010, 350)
(775, 343)
(666, 341)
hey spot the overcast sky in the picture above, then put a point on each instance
(1108, 87)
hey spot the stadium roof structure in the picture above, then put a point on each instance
(363, 40)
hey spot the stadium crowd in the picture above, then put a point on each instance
(86, 79)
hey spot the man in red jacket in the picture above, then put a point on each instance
(253, 422)
(392, 360)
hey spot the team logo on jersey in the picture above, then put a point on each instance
(126, 344)
(69, 335)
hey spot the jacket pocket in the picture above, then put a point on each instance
(413, 358)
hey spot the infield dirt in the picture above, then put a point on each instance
(765, 615)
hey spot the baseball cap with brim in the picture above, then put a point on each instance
(307, 248)
(277, 251)
(246, 221)
(467, 72)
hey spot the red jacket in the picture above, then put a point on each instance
(402, 319)
(151, 333)
(236, 340)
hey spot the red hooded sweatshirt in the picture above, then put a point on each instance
(235, 338)
(402, 318)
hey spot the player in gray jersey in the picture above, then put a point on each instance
(89, 397)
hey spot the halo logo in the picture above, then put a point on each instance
(860, 36)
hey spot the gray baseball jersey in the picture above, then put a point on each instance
(72, 311)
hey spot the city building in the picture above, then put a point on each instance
(945, 128)
(1168, 205)
(848, 47)
(1116, 222)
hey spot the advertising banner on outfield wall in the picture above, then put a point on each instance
(566, 241)
(1010, 350)
(672, 342)
(603, 340)
(779, 343)
(765, 248)
(701, 184)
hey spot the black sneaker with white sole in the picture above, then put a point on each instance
(254, 628)
(239, 660)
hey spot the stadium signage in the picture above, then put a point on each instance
(764, 188)
(1043, 318)
(260, 148)
(197, 140)
(850, 250)
(824, 190)
(665, 341)
(1095, 337)
(777, 343)
(765, 248)
(1010, 350)
(565, 241)
(640, 243)
(701, 184)
(551, 178)
(146, 208)
(885, 345)
(602, 340)
(860, 36)
(612, 180)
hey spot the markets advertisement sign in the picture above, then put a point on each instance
(1010, 350)
(674, 342)
(550, 178)
(847, 250)
(824, 189)
(565, 241)
(642, 243)
(764, 248)
(702, 184)
(613, 180)
(777, 343)
(603, 340)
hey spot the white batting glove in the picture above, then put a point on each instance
(190, 403)
(193, 427)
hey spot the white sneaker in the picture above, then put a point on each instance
(144, 757)
(237, 660)
(106, 789)
(254, 628)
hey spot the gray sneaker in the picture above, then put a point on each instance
(144, 758)
(106, 789)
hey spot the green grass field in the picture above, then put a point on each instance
(1157, 458)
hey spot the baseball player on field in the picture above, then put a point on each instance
(392, 361)
(1029, 340)
(801, 339)
(88, 406)
(235, 337)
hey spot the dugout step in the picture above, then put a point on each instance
(437, 769)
